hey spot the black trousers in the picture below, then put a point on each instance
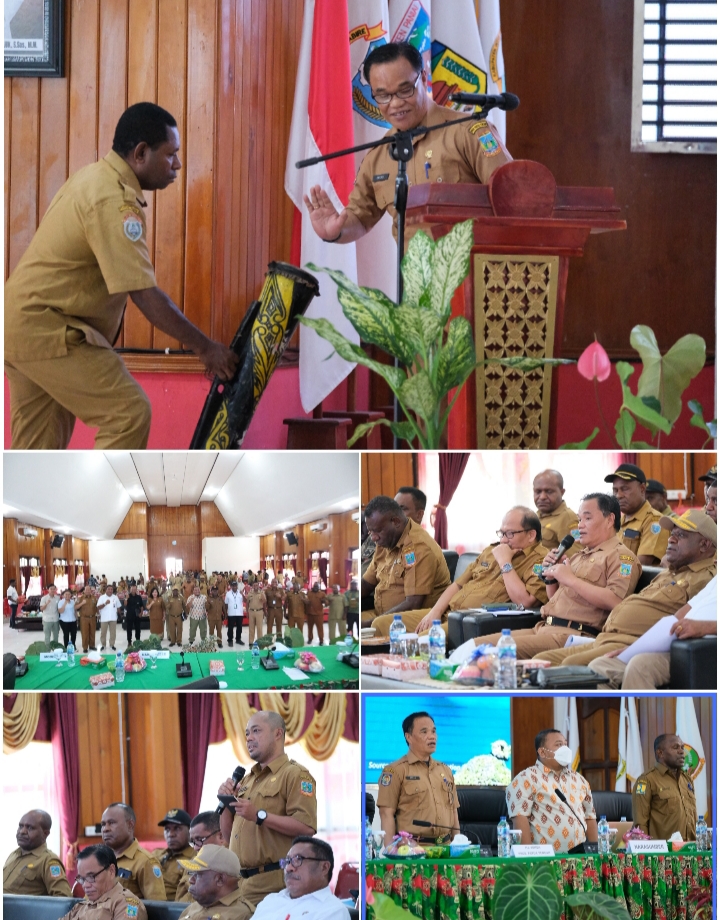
(13, 614)
(235, 624)
(69, 631)
(132, 622)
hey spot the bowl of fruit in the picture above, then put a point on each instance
(308, 662)
(134, 663)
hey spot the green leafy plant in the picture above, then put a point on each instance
(526, 891)
(658, 402)
(145, 645)
(699, 902)
(41, 646)
(434, 355)
(384, 908)
(594, 905)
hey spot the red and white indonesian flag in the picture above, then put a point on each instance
(630, 758)
(566, 721)
(322, 122)
(368, 22)
(686, 726)
(491, 42)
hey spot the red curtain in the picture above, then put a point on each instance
(64, 738)
(452, 466)
(198, 720)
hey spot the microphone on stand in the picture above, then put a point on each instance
(564, 546)
(505, 101)
(237, 776)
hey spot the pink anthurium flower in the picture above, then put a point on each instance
(369, 899)
(594, 363)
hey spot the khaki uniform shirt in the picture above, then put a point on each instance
(283, 787)
(663, 804)
(532, 795)
(664, 596)
(140, 872)
(415, 565)
(216, 609)
(115, 904)
(317, 603)
(88, 611)
(274, 598)
(175, 606)
(230, 907)
(483, 582)
(422, 790)
(88, 252)
(172, 872)
(352, 600)
(38, 872)
(256, 601)
(642, 533)
(468, 152)
(609, 565)
(558, 524)
(296, 604)
(337, 605)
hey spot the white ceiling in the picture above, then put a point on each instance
(88, 493)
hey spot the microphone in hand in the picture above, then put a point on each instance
(237, 776)
(564, 546)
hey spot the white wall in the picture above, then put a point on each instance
(117, 558)
(230, 554)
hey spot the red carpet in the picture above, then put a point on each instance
(178, 399)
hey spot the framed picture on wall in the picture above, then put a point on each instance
(34, 33)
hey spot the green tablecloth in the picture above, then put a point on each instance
(651, 887)
(46, 675)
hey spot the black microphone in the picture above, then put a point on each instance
(237, 776)
(444, 827)
(505, 101)
(562, 798)
(564, 546)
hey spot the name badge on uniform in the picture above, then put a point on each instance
(631, 534)
(381, 177)
(124, 873)
(409, 558)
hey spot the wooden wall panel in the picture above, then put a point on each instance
(666, 256)
(153, 726)
(167, 524)
(102, 756)
(212, 523)
(529, 714)
(679, 471)
(384, 474)
(135, 525)
(22, 205)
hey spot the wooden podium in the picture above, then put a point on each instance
(526, 229)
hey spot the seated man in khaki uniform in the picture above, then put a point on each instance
(413, 502)
(691, 555)
(138, 870)
(588, 586)
(641, 531)
(65, 300)
(176, 830)
(105, 898)
(418, 787)
(32, 868)
(504, 572)
(656, 494)
(408, 569)
(664, 797)
(556, 518)
(213, 875)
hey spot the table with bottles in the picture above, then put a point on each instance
(652, 886)
(239, 672)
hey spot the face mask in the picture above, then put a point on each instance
(563, 755)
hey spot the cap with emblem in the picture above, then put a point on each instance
(710, 476)
(653, 485)
(627, 471)
(215, 858)
(695, 521)
(176, 816)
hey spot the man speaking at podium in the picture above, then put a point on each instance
(468, 152)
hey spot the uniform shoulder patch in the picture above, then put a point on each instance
(131, 911)
(641, 787)
(132, 227)
(625, 569)
(489, 144)
(537, 569)
(157, 871)
(386, 778)
(655, 528)
(56, 870)
(410, 558)
(306, 787)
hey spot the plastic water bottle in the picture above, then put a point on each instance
(71, 655)
(397, 631)
(255, 656)
(507, 662)
(603, 836)
(369, 847)
(503, 837)
(119, 668)
(701, 834)
(436, 640)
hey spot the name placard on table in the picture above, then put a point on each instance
(532, 849)
(51, 656)
(160, 655)
(647, 846)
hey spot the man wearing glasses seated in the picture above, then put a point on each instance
(105, 897)
(214, 874)
(468, 152)
(308, 870)
(204, 828)
(505, 572)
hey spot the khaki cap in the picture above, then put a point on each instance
(695, 521)
(218, 859)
